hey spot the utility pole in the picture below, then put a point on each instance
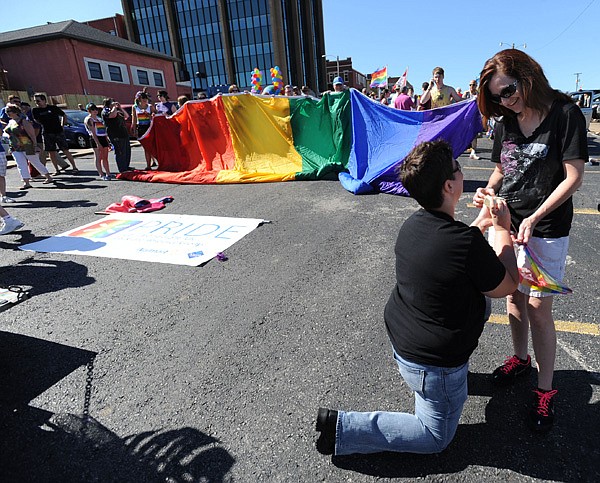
(577, 74)
(512, 45)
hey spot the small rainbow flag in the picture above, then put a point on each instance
(379, 78)
(534, 276)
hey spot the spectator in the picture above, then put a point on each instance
(338, 85)
(202, 95)
(37, 127)
(233, 89)
(385, 97)
(440, 94)
(435, 314)
(297, 91)
(4, 117)
(52, 119)
(472, 94)
(9, 224)
(141, 119)
(99, 141)
(404, 101)
(421, 104)
(307, 91)
(181, 100)
(114, 118)
(80, 107)
(163, 106)
(3, 163)
(23, 145)
(288, 90)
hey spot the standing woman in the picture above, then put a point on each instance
(97, 130)
(23, 145)
(141, 117)
(164, 106)
(540, 147)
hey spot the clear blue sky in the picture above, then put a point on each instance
(459, 36)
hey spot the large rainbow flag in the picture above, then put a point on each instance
(244, 138)
(379, 78)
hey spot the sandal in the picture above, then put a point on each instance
(74, 171)
(48, 181)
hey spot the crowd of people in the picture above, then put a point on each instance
(34, 135)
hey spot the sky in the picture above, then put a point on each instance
(458, 36)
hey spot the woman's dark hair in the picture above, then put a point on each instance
(535, 90)
(107, 102)
(425, 170)
(163, 94)
(425, 86)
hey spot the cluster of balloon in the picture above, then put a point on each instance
(256, 81)
(276, 78)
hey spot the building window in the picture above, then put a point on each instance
(143, 77)
(346, 76)
(115, 73)
(95, 70)
(106, 71)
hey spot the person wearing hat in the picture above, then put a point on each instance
(338, 84)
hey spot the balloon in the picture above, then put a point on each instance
(276, 78)
(256, 80)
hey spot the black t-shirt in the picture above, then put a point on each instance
(115, 126)
(533, 166)
(435, 313)
(49, 117)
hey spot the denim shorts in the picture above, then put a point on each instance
(3, 163)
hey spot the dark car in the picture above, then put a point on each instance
(74, 128)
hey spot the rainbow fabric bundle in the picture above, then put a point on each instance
(245, 138)
(534, 276)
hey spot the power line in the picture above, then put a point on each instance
(568, 26)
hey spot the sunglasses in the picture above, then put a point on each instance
(458, 167)
(505, 93)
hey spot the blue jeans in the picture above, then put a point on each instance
(122, 153)
(440, 393)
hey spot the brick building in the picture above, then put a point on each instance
(111, 25)
(352, 77)
(73, 58)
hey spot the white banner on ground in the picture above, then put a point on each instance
(149, 237)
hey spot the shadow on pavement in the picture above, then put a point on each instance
(44, 276)
(38, 445)
(570, 452)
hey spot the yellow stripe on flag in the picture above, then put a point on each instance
(262, 139)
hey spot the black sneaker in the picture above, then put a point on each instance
(512, 368)
(327, 426)
(541, 415)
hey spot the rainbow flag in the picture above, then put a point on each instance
(379, 78)
(244, 138)
(535, 276)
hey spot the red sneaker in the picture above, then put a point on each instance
(512, 368)
(541, 415)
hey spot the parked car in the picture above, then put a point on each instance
(74, 128)
(584, 100)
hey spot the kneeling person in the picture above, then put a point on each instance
(436, 312)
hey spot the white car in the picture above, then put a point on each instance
(584, 100)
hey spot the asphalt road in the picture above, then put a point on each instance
(215, 373)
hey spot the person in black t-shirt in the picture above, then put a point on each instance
(436, 312)
(114, 118)
(540, 147)
(52, 119)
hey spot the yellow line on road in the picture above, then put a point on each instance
(586, 211)
(561, 325)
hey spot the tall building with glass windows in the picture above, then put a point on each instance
(220, 42)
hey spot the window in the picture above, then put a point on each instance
(95, 70)
(143, 77)
(115, 73)
(158, 79)
(105, 71)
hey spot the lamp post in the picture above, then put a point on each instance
(577, 74)
(512, 46)
(337, 60)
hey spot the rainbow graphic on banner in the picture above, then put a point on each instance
(104, 229)
(379, 78)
